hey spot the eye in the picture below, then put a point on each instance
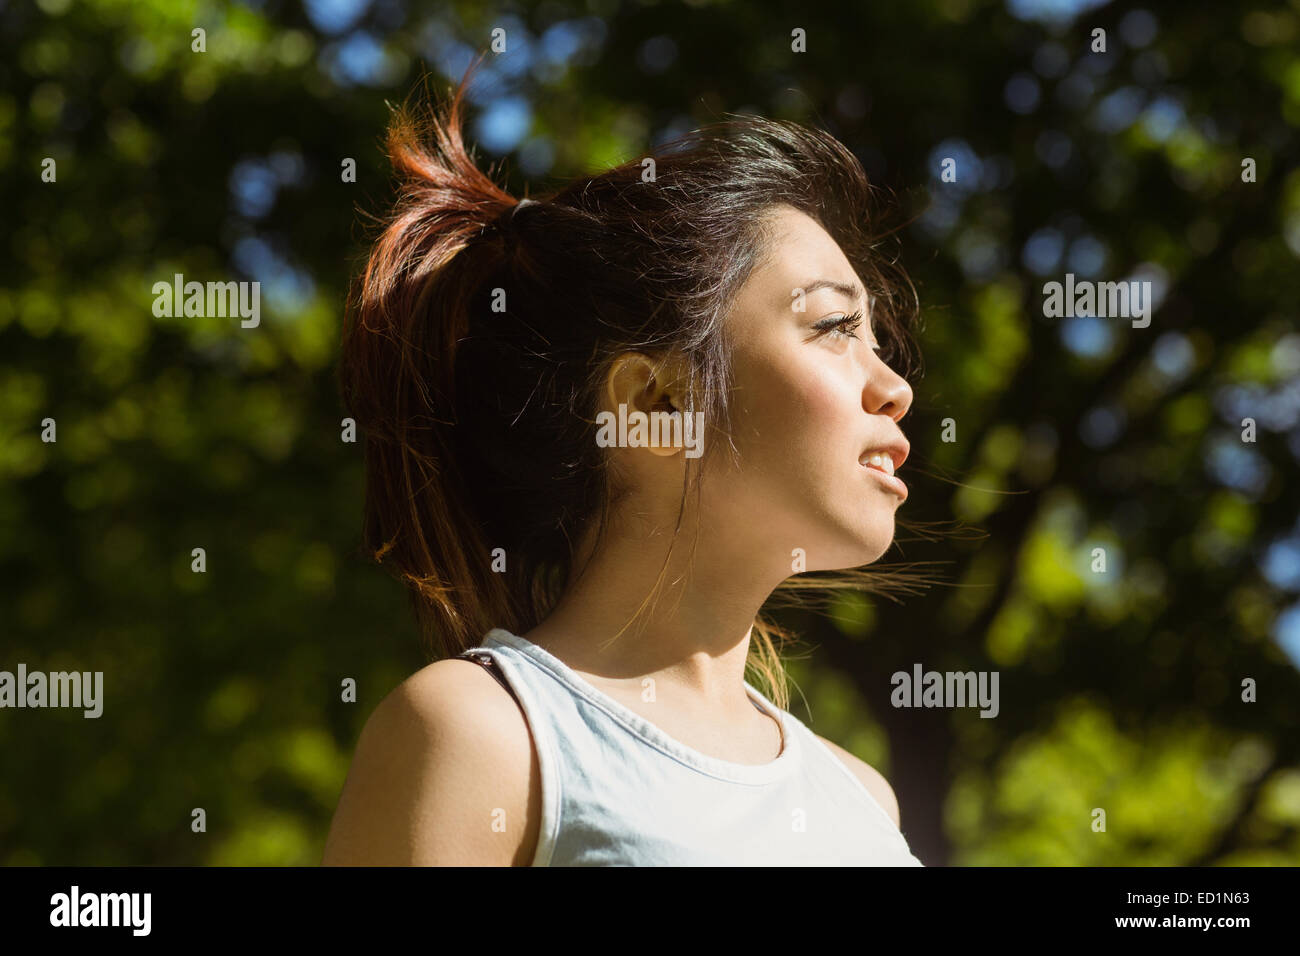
(841, 325)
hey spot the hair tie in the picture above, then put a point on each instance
(505, 220)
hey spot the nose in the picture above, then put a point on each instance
(886, 392)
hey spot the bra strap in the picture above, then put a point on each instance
(481, 657)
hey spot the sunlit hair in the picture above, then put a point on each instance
(480, 425)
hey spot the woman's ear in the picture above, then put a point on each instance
(645, 385)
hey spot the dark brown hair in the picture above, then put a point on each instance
(479, 423)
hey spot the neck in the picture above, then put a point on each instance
(692, 640)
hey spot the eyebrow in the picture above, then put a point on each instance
(850, 290)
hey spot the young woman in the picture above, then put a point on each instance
(593, 596)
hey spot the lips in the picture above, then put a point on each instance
(883, 461)
(888, 458)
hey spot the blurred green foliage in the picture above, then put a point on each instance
(1121, 690)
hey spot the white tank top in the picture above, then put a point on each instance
(618, 791)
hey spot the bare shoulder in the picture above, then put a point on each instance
(871, 778)
(445, 773)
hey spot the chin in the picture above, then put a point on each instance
(866, 546)
(873, 542)
(872, 554)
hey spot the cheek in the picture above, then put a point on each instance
(793, 415)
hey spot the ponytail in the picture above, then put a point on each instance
(408, 312)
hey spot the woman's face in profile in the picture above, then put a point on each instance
(808, 408)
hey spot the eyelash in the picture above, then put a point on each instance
(838, 325)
